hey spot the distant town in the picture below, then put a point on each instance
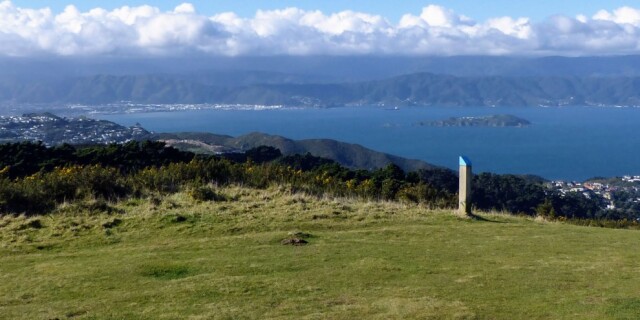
(53, 130)
(126, 107)
(619, 193)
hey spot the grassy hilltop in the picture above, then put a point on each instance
(177, 258)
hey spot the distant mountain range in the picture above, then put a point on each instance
(321, 81)
(347, 154)
(420, 89)
(326, 69)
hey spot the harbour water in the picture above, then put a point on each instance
(570, 143)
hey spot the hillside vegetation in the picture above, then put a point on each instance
(35, 179)
(172, 257)
(350, 155)
(145, 231)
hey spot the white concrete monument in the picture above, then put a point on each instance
(464, 191)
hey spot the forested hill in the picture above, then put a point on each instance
(349, 155)
(421, 89)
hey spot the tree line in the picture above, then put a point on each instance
(35, 179)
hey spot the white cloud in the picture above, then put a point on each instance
(623, 15)
(185, 8)
(518, 28)
(436, 30)
(438, 16)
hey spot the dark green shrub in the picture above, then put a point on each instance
(205, 193)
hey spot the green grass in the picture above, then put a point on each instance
(180, 259)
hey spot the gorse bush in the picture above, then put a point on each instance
(205, 193)
(423, 193)
(35, 179)
(24, 196)
(138, 170)
(41, 192)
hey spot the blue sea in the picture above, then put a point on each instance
(569, 143)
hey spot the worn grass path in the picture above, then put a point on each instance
(183, 260)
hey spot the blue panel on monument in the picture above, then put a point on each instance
(464, 161)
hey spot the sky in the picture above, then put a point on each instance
(391, 9)
(328, 27)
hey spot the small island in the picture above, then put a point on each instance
(500, 120)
